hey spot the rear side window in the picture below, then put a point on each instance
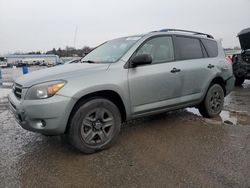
(189, 48)
(211, 47)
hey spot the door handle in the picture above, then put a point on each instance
(210, 66)
(174, 70)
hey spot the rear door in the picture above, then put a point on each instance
(192, 60)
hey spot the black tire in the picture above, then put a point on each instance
(95, 125)
(239, 81)
(213, 102)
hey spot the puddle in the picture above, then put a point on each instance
(226, 117)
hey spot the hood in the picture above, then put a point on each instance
(60, 73)
(244, 37)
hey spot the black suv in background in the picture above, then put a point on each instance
(241, 62)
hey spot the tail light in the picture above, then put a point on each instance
(229, 60)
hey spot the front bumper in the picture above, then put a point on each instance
(46, 116)
(230, 84)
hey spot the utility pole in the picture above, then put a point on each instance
(1, 78)
(75, 37)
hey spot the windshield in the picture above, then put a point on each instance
(111, 51)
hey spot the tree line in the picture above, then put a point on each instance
(70, 51)
(67, 52)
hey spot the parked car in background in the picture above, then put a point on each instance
(59, 63)
(3, 62)
(124, 79)
(51, 64)
(43, 63)
(241, 62)
(75, 60)
(37, 63)
(20, 64)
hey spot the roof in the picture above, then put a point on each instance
(244, 31)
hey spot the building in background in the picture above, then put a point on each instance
(231, 52)
(36, 59)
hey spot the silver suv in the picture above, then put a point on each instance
(124, 79)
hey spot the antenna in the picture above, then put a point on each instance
(75, 37)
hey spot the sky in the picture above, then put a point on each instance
(40, 25)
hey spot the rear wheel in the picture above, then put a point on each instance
(213, 103)
(95, 126)
(239, 81)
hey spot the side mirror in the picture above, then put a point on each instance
(141, 59)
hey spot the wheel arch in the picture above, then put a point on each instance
(107, 94)
(202, 106)
(219, 80)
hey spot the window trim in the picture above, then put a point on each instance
(204, 50)
(128, 63)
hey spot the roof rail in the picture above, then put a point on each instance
(185, 31)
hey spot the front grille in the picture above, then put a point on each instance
(17, 89)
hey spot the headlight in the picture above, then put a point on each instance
(44, 90)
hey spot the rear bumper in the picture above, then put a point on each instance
(47, 116)
(230, 84)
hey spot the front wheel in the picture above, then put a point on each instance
(95, 126)
(213, 103)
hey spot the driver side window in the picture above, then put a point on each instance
(160, 48)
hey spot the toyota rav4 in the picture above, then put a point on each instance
(120, 80)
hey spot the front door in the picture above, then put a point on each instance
(158, 85)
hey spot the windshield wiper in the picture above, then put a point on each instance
(88, 61)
